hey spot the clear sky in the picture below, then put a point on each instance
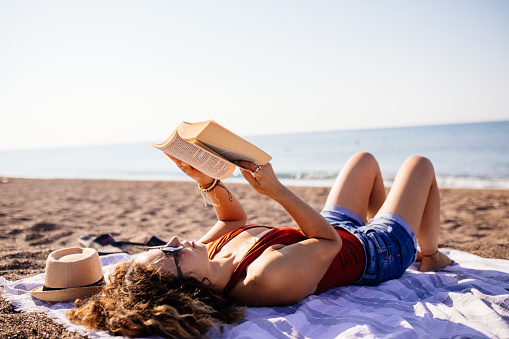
(118, 71)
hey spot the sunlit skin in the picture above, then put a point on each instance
(194, 262)
(270, 278)
(193, 258)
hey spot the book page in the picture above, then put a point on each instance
(206, 162)
(230, 155)
(219, 139)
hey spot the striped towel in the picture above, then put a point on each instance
(467, 300)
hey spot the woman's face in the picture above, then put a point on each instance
(192, 258)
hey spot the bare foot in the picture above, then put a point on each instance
(435, 262)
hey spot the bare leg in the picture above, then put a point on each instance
(359, 186)
(414, 196)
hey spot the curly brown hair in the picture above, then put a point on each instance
(141, 301)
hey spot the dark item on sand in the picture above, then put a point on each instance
(105, 244)
(153, 241)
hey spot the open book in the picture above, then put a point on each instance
(211, 148)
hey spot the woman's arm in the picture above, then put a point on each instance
(271, 279)
(309, 220)
(229, 211)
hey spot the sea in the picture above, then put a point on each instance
(474, 155)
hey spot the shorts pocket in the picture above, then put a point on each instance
(374, 273)
(377, 262)
(378, 242)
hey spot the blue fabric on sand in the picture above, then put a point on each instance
(389, 242)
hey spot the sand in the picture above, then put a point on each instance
(38, 216)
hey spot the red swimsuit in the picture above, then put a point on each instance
(345, 269)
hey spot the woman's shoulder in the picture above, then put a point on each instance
(252, 231)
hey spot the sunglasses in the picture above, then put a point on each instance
(171, 250)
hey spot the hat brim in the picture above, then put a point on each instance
(68, 294)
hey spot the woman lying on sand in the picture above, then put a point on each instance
(185, 288)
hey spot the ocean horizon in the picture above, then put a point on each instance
(474, 155)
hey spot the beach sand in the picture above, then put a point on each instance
(38, 216)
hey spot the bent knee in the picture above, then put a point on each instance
(365, 158)
(421, 163)
(362, 161)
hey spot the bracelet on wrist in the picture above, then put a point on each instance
(204, 192)
(211, 186)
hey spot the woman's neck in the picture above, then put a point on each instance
(229, 257)
(221, 270)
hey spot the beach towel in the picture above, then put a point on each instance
(469, 299)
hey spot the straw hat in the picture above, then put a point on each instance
(71, 273)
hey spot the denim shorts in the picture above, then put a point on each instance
(389, 242)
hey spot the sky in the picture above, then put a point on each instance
(92, 72)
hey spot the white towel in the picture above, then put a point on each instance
(467, 300)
